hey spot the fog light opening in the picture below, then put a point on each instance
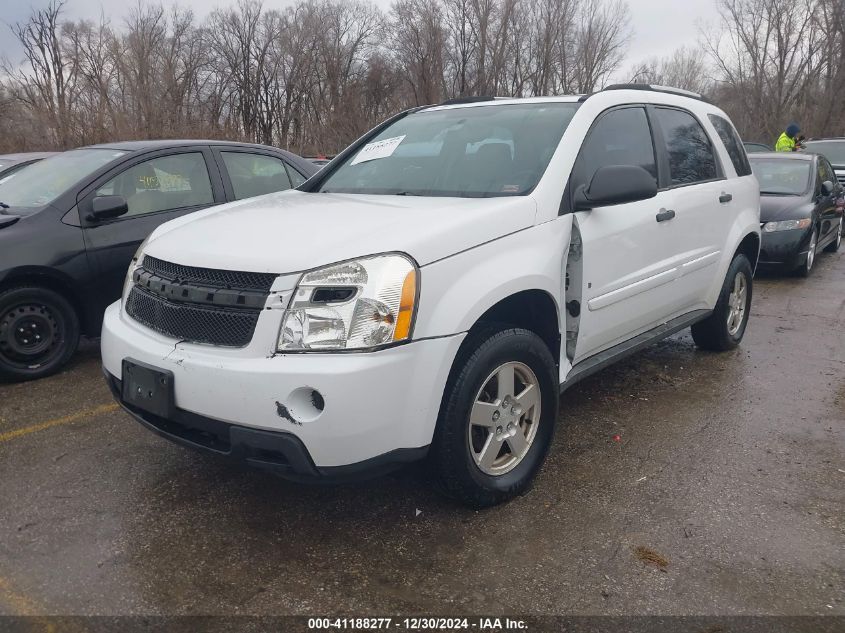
(305, 405)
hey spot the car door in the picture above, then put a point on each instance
(157, 187)
(827, 203)
(701, 197)
(249, 172)
(630, 251)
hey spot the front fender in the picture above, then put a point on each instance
(456, 291)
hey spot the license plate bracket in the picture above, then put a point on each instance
(148, 388)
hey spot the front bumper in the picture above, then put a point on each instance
(377, 408)
(785, 248)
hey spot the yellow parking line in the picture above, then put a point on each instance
(19, 603)
(68, 419)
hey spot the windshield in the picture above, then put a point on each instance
(834, 151)
(41, 183)
(781, 176)
(475, 152)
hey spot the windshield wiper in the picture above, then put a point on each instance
(4, 205)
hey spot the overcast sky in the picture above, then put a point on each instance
(660, 26)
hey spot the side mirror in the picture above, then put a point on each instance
(615, 184)
(827, 188)
(108, 207)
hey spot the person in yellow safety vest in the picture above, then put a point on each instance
(788, 141)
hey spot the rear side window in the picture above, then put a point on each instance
(736, 150)
(620, 137)
(691, 157)
(255, 174)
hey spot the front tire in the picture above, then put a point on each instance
(39, 332)
(497, 417)
(724, 328)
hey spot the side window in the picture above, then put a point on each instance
(255, 174)
(826, 172)
(296, 178)
(691, 157)
(620, 137)
(164, 183)
(736, 150)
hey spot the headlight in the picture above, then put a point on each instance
(359, 304)
(786, 225)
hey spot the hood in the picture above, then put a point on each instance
(777, 208)
(295, 231)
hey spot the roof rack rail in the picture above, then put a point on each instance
(655, 88)
(460, 100)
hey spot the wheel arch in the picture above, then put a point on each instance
(52, 280)
(750, 247)
(534, 310)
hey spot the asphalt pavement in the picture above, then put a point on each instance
(680, 482)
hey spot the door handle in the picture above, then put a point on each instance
(725, 198)
(665, 215)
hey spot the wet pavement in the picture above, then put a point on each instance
(680, 482)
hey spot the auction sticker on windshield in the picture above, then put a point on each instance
(378, 149)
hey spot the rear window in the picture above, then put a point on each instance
(733, 144)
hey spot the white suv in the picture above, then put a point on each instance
(433, 290)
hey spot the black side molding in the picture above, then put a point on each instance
(597, 362)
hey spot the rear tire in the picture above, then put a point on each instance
(39, 332)
(724, 328)
(834, 245)
(497, 417)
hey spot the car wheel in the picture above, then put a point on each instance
(497, 417)
(837, 242)
(807, 268)
(39, 332)
(724, 328)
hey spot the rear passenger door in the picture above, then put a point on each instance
(694, 181)
(248, 173)
(631, 253)
(157, 187)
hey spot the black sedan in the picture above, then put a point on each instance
(801, 209)
(70, 224)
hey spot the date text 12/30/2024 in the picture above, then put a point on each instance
(481, 624)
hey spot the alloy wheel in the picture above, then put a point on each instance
(811, 253)
(504, 418)
(737, 303)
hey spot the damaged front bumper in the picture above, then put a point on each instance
(375, 409)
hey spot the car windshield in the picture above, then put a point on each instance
(469, 152)
(781, 177)
(41, 183)
(834, 151)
